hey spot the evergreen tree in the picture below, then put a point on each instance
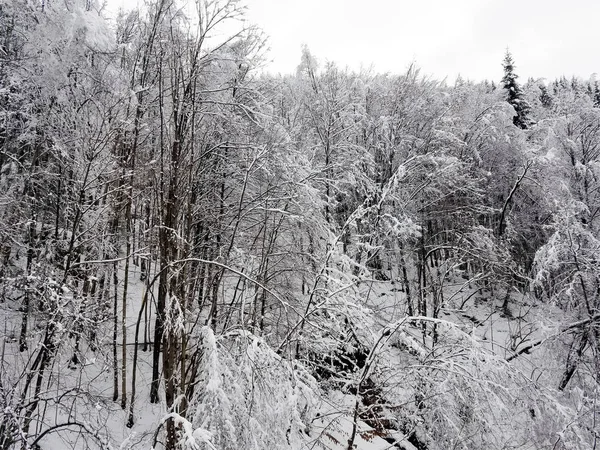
(596, 95)
(590, 91)
(545, 98)
(515, 95)
(555, 87)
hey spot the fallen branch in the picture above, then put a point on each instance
(564, 329)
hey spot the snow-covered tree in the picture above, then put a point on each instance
(514, 94)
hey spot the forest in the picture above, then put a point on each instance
(196, 254)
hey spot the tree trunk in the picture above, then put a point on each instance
(115, 334)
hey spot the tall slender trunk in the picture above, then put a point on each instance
(130, 420)
(159, 323)
(26, 300)
(58, 202)
(115, 334)
(124, 322)
(38, 369)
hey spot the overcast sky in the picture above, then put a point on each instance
(444, 37)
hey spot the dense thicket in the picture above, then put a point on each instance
(254, 253)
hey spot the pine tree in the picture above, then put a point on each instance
(596, 95)
(555, 87)
(545, 98)
(563, 83)
(589, 90)
(515, 95)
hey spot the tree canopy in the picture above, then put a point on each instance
(198, 255)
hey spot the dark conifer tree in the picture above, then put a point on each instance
(590, 91)
(514, 94)
(596, 95)
(555, 87)
(545, 98)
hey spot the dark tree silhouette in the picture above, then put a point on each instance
(514, 94)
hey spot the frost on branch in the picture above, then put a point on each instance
(248, 397)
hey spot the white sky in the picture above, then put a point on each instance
(444, 37)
